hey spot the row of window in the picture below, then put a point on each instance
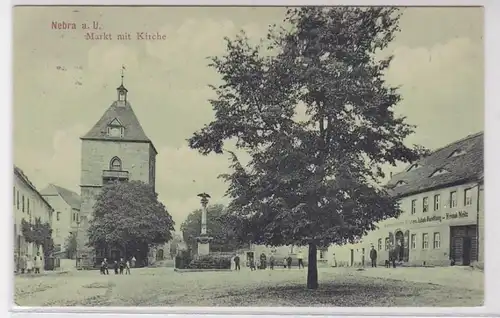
(436, 243)
(453, 202)
(20, 200)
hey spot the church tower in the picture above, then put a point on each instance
(115, 149)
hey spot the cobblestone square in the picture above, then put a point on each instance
(338, 287)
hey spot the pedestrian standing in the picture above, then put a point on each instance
(38, 263)
(289, 262)
(300, 258)
(106, 266)
(127, 268)
(132, 261)
(373, 256)
(271, 261)
(334, 260)
(115, 265)
(237, 263)
(285, 261)
(22, 263)
(29, 264)
(252, 263)
(121, 266)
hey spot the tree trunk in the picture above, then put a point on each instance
(312, 267)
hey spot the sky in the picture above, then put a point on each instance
(63, 83)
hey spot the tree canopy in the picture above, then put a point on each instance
(39, 233)
(129, 213)
(311, 107)
(224, 239)
(70, 245)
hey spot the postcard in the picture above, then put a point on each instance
(248, 156)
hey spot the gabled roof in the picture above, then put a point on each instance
(71, 198)
(126, 116)
(20, 174)
(467, 167)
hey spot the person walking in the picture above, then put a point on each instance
(38, 263)
(237, 263)
(289, 262)
(373, 256)
(132, 261)
(300, 258)
(115, 265)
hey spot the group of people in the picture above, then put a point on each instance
(28, 265)
(262, 264)
(119, 266)
(388, 262)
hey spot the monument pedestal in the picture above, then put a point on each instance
(203, 244)
(203, 248)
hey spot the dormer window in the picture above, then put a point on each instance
(400, 183)
(438, 172)
(115, 129)
(413, 167)
(456, 153)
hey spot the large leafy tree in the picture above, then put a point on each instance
(313, 178)
(218, 227)
(128, 215)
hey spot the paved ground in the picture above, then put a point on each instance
(338, 287)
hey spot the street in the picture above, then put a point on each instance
(338, 287)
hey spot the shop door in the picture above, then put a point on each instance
(467, 249)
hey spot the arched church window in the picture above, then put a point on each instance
(116, 164)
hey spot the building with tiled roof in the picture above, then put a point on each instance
(66, 204)
(116, 148)
(442, 201)
(29, 205)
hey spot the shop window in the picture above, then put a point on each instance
(437, 202)
(425, 204)
(17, 199)
(387, 244)
(453, 199)
(468, 197)
(413, 241)
(58, 216)
(22, 203)
(413, 206)
(437, 240)
(379, 246)
(425, 241)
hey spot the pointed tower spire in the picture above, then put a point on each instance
(122, 91)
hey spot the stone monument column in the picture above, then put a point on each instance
(204, 240)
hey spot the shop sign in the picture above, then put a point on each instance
(436, 218)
